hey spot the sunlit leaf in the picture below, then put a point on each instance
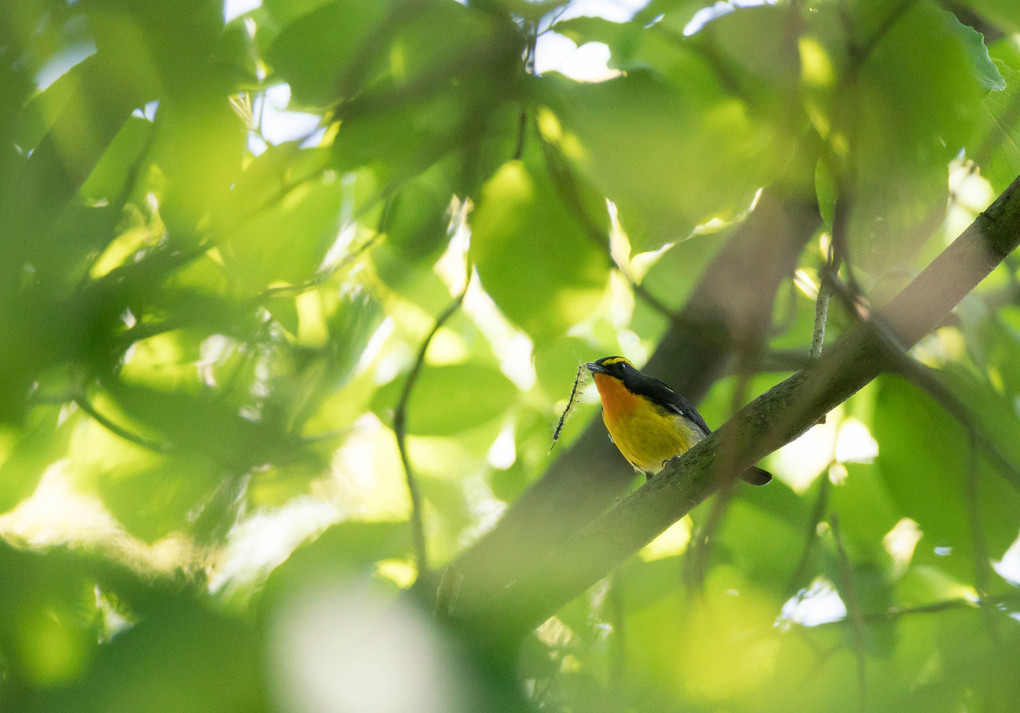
(902, 129)
(42, 443)
(534, 257)
(925, 459)
(450, 399)
(669, 157)
(183, 657)
(48, 622)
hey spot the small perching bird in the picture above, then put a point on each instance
(648, 421)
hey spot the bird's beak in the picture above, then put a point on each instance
(595, 368)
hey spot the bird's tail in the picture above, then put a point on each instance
(756, 476)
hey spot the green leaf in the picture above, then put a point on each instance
(751, 532)
(670, 157)
(198, 148)
(40, 444)
(449, 399)
(48, 622)
(184, 656)
(319, 51)
(1000, 159)
(534, 259)
(867, 511)
(924, 457)
(345, 548)
(1003, 13)
(987, 72)
(155, 498)
(755, 44)
(119, 162)
(294, 218)
(913, 105)
(417, 216)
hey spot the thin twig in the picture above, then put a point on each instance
(996, 602)
(83, 403)
(853, 609)
(400, 431)
(821, 315)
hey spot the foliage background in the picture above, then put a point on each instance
(291, 302)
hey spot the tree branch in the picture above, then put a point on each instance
(772, 420)
(400, 432)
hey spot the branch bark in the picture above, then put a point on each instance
(772, 420)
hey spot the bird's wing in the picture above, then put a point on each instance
(662, 394)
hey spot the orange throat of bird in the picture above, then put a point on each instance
(617, 400)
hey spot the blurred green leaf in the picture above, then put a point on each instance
(669, 157)
(1000, 157)
(925, 460)
(867, 512)
(319, 53)
(449, 399)
(757, 526)
(345, 549)
(417, 216)
(1002, 12)
(41, 444)
(533, 256)
(160, 497)
(308, 214)
(183, 657)
(48, 620)
(902, 130)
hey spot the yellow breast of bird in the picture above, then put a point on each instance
(648, 437)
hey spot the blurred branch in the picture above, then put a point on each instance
(82, 402)
(1013, 598)
(400, 431)
(770, 421)
(846, 574)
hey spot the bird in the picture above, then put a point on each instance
(649, 422)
